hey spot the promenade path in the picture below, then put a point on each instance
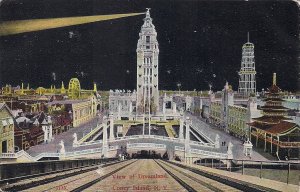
(207, 129)
(67, 137)
(238, 148)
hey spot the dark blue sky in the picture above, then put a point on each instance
(200, 43)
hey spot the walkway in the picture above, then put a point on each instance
(67, 137)
(211, 131)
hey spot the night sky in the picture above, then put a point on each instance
(200, 43)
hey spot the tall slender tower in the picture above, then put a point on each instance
(147, 67)
(247, 82)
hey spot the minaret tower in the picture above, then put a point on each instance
(147, 67)
(247, 82)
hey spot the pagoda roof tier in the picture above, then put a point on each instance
(281, 128)
(274, 89)
(275, 112)
(274, 107)
(273, 99)
(271, 120)
(261, 126)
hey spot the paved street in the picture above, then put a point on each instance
(237, 149)
(67, 137)
(197, 123)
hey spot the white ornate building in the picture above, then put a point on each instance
(247, 82)
(147, 67)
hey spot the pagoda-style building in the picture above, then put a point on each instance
(273, 130)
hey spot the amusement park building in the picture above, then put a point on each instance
(274, 131)
(6, 130)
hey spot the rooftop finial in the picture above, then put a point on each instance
(274, 78)
(148, 12)
(248, 36)
(226, 85)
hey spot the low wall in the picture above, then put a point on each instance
(13, 170)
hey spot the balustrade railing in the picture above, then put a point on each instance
(133, 137)
(145, 145)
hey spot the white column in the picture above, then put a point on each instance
(271, 143)
(144, 106)
(130, 107)
(111, 125)
(217, 141)
(104, 141)
(164, 110)
(278, 145)
(45, 129)
(181, 127)
(265, 148)
(201, 103)
(50, 134)
(119, 111)
(174, 108)
(187, 132)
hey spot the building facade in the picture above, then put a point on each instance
(122, 103)
(84, 110)
(147, 67)
(32, 130)
(236, 121)
(6, 130)
(232, 116)
(215, 112)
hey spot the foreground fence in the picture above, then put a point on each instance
(14, 170)
(283, 171)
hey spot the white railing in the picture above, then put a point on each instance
(209, 153)
(133, 137)
(98, 127)
(41, 155)
(87, 143)
(177, 148)
(201, 133)
(201, 144)
(8, 155)
(114, 147)
(58, 155)
(82, 152)
(16, 155)
(145, 145)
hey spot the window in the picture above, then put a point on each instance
(147, 47)
(147, 39)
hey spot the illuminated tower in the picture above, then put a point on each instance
(247, 82)
(147, 67)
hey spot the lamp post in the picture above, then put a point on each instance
(179, 85)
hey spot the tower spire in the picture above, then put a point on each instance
(248, 37)
(274, 78)
(62, 89)
(148, 12)
(95, 87)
